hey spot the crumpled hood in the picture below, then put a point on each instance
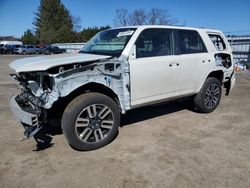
(42, 63)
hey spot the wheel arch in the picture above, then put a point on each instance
(96, 87)
(218, 74)
(60, 105)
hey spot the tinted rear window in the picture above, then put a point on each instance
(191, 42)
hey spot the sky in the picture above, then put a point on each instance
(16, 16)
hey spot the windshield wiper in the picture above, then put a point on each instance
(89, 52)
(99, 53)
(83, 52)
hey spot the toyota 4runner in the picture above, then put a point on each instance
(118, 70)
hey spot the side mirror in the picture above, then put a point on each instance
(133, 53)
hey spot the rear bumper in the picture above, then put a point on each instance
(229, 85)
(21, 115)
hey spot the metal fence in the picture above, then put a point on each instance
(70, 47)
(241, 48)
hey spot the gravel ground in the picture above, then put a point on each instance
(166, 145)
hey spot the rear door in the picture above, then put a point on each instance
(193, 58)
(154, 71)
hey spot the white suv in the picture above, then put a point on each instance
(118, 70)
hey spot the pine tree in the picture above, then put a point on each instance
(53, 22)
(89, 32)
(29, 38)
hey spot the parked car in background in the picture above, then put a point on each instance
(10, 49)
(14, 47)
(19, 50)
(42, 49)
(1, 48)
(53, 50)
(4, 49)
(6, 46)
(27, 49)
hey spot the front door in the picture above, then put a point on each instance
(154, 71)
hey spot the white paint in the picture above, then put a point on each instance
(42, 63)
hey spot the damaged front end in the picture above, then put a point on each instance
(26, 106)
(40, 90)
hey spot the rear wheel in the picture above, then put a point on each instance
(90, 121)
(209, 96)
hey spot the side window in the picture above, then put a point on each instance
(154, 42)
(217, 41)
(191, 42)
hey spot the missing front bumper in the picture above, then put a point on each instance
(29, 121)
(21, 115)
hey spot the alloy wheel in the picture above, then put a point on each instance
(94, 123)
(212, 96)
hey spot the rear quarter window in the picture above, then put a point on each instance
(218, 41)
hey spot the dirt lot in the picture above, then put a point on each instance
(161, 146)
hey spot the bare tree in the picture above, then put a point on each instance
(155, 16)
(138, 17)
(121, 18)
(158, 16)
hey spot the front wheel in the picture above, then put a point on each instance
(209, 96)
(90, 121)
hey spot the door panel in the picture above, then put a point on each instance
(190, 66)
(154, 72)
(193, 59)
(153, 79)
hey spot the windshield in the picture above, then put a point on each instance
(1, 45)
(109, 42)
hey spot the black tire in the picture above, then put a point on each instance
(78, 108)
(209, 96)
